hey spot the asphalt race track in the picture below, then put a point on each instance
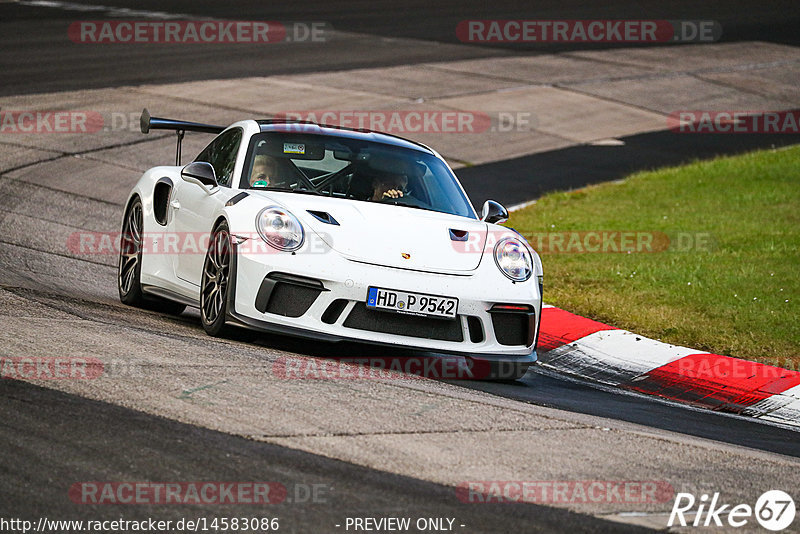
(188, 407)
(372, 34)
(44, 425)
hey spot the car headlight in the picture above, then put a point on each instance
(279, 228)
(513, 259)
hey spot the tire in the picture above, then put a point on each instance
(129, 269)
(215, 281)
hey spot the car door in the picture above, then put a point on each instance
(193, 207)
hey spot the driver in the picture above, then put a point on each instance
(264, 170)
(387, 186)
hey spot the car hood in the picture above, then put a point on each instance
(388, 235)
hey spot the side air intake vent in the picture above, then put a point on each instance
(161, 194)
(458, 235)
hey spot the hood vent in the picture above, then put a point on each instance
(324, 216)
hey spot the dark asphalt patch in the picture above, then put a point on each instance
(52, 440)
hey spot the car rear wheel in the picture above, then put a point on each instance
(215, 280)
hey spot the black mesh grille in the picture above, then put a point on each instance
(405, 325)
(291, 300)
(511, 328)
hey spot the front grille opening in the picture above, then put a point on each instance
(511, 328)
(291, 300)
(475, 329)
(362, 318)
(287, 294)
(458, 235)
(334, 310)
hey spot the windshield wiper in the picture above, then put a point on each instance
(403, 205)
(308, 192)
(288, 190)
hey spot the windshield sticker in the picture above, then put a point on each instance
(294, 148)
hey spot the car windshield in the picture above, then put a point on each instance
(352, 169)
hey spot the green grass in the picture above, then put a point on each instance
(737, 297)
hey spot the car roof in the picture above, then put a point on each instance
(307, 127)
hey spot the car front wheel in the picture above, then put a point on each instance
(215, 281)
(130, 256)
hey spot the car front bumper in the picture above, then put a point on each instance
(337, 311)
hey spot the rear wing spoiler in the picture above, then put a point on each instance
(148, 123)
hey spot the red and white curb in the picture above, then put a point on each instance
(574, 345)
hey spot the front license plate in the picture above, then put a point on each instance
(412, 303)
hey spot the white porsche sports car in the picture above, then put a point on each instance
(333, 234)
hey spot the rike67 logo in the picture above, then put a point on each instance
(774, 510)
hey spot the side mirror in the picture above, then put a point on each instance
(493, 212)
(200, 173)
